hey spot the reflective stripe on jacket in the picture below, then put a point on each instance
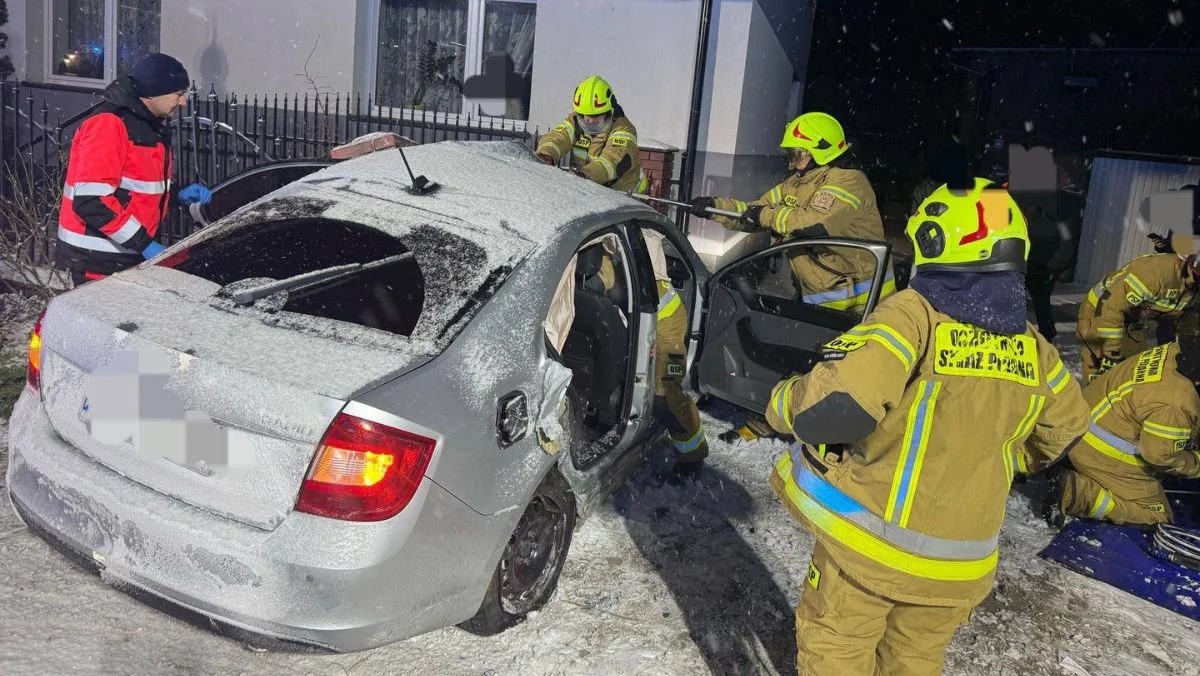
(908, 494)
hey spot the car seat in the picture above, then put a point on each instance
(597, 348)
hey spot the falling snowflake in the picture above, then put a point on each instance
(874, 46)
(1175, 17)
(1028, 125)
(845, 29)
(1085, 139)
(949, 26)
(1096, 39)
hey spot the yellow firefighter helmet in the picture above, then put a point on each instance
(976, 230)
(593, 96)
(818, 133)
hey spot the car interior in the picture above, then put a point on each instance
(598, 345)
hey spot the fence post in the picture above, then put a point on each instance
(259, 131)
(4, 164)
(304, 147)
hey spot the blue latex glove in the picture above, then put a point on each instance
(195, 193)
(152, 249)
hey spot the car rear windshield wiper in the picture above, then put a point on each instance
(310, 281)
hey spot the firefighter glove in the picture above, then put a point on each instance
(701, 205)
(152, 249)
(195, 193)
(1161, 244)
(751, 214)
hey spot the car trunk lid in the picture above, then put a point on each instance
(220, 409)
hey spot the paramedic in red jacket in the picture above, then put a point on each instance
(118, 181)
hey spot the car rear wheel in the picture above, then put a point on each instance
(529, 567)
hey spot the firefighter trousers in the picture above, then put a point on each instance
(842, 629)
(1093, 490)
(675, 410)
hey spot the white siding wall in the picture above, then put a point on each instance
(1111, 235)
(16, 30)
(644, 48)
(259, 46)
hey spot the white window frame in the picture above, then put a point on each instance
(111, 8)
(476, 11)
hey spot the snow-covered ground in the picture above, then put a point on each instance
(663, 579)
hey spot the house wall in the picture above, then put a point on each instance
(752, 94)
(254, 47)
(644, 48)
(34, 38)
(16, 30)
(234, 45)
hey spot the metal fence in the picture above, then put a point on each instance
(215, 137)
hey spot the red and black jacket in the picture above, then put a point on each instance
(117, 186)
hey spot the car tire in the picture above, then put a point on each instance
(528, 571)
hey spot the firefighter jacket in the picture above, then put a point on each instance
(610, 158)
(1143, 415)
(823, 202)
(1150, 286)
(117, 185)
(908, 434)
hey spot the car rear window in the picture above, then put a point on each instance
(389, 298)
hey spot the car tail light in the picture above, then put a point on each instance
(364, 471)
(33, 375)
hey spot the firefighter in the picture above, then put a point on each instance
(602, 142)
(1112, 319)
(603, 147)
(119, 174)
(1144, 412)
(823, 197)
(908, 433)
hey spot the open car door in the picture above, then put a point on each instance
(251, 184)
(770, 313)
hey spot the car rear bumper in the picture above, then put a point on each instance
(313, 581)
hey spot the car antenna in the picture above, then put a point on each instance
(420, 184)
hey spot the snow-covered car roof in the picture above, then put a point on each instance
(494, 193)
(497, 205)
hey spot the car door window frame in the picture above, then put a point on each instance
(751, 389)
(197, 211)
(881, 251)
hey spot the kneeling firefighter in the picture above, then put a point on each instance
(1144, 413)
(1112, 320)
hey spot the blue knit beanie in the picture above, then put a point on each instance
(158, 74)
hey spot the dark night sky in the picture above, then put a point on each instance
(883, 67)
(852, 31)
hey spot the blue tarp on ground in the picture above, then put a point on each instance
(1121, 556)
